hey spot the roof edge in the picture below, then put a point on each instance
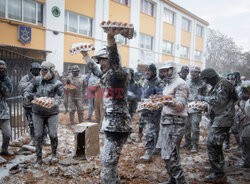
(186, 11)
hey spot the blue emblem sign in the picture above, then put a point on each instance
(24, 34)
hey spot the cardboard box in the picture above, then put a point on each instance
(86, 140)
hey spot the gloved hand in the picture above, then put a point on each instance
(29, 96)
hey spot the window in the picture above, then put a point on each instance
(146, 41)
(167, 47)
(78, 23)
(199, 30)
(2, 8)
(29, 11)
(15, 9)
(122, 2)
(120, 39)
(184, 52)
(186, 24)
(148, 7)
(22, 10)
(73, 23)
(197, 55)
(169, 16)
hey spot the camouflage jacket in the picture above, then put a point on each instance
(46, 88)
(80, 83)
(114, 86)
(24, 82)
(6, 88)
(196, 87)
(221, 104)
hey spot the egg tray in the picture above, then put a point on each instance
(45, 102)
(125, 29)
(78, 47)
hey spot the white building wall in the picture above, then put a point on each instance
(101, 14)
(54, 40)
(134, 59)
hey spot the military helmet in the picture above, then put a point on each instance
(75, 68)
(101, 54)
(3, 63)
(185, 68)
(208, 73)
(196, 68)
(245, 86)
(35, 65)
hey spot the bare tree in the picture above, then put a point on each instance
(222, 52)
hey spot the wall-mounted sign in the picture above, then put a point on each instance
(24, 34)
(56, 11)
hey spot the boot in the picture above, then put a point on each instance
(54, 144)
(5, 145)
(148, 155)
(38, 162)
(80, 117)
(71, 118)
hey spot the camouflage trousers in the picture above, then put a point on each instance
(76, 105)
(6, 131)
(112, 148)
(39, 123)
(192, 132)
(169, 141)
(152, 123)
(215, 139)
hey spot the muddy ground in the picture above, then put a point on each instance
(19, 168)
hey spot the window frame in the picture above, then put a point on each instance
(6, 9)
(121, 2)
(66, 21)
(195, 55)
(188, 49)
(173, 18)
(150, 12)
(145, 38)
(189, 24)
(164, 50)
(201, 30)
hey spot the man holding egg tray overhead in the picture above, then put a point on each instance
(116, 123)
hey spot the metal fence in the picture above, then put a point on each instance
(17, 66)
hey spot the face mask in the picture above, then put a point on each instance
(75, 74)
(35, 72)
(2, 73)
(47, 76)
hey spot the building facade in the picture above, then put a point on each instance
(164, 31)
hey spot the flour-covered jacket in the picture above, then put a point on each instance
(114, 86)
(178, 88)
(46, 88)
(221, 104)
(80, 84)
(196, 87)
(5, 91)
